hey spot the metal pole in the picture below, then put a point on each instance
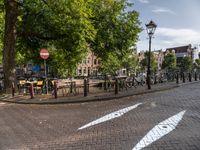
(13, 89)
(116, 86)
(31, 91)
(195, 76)
(190, 77)
(183, 77)
(55, 90)
(45, 71)
(177, 78)
(85, 87)
(149, 65)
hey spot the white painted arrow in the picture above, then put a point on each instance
(160, 130)
(110, 116)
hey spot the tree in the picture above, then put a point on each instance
(64, 24)
(2, 24)
(110, 65)
(169, 62)
(130, 62)
(186, 64)
(153, 63)
(117, 29)
(11, 13)
(68, 29)
(197, 63)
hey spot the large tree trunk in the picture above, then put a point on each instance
(9, 44)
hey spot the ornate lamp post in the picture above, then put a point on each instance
(151, 27)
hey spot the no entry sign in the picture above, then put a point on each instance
(44, 54)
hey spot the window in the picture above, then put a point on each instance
(79, 71)
(95, 61)
(84, 71)
(84, 61)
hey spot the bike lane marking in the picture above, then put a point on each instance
(110, 116)
(160, 130)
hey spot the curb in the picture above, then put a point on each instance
(95, 99)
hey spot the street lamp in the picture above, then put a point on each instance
(151, 27)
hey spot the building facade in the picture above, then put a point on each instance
(159, 56)
(181, 51)
(88, 66)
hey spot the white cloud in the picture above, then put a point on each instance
(163, 10)
(144, 1)
(179, 35)
(170, 37)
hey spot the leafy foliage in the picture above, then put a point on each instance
(2, 23)
(69, 29)
(153, 63)
(110, 65)
(116, 32)
(64, 24)
(169, 62)
(130, 62)
(197, 63)
(186, 63)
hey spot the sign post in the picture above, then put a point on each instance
(44, 54)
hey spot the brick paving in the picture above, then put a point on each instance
(45, 127)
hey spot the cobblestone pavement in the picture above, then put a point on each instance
(24, 127)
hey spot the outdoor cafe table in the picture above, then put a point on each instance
(25, 86)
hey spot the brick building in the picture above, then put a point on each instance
(88, 66)
(181, 51)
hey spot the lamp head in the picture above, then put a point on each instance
(151, 27)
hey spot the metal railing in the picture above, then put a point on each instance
(85, 87)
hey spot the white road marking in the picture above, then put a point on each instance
(160, 130)
(110, 116)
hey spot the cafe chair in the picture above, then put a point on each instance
(39, 87)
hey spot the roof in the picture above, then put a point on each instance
(181, 49)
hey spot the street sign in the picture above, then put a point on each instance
(44, 54)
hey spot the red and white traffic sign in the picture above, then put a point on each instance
(44, 54)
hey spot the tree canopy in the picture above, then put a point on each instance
(186, 64)
(169, 62)
(68, 29)
(153, 63)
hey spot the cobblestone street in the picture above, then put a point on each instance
(25, 127)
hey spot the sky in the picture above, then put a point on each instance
(178, 22)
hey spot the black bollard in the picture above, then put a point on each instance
(133, 81)
(13, 89)
(116, 86)
(190, 77)
(155, 79)
(183, 77)
(105, 85)
(85, 87)
(177, 78)
(71, 87)
(195, 76)
(55, 90)
(31, 91)
(88, 85)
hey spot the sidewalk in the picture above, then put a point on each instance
(49, 99)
